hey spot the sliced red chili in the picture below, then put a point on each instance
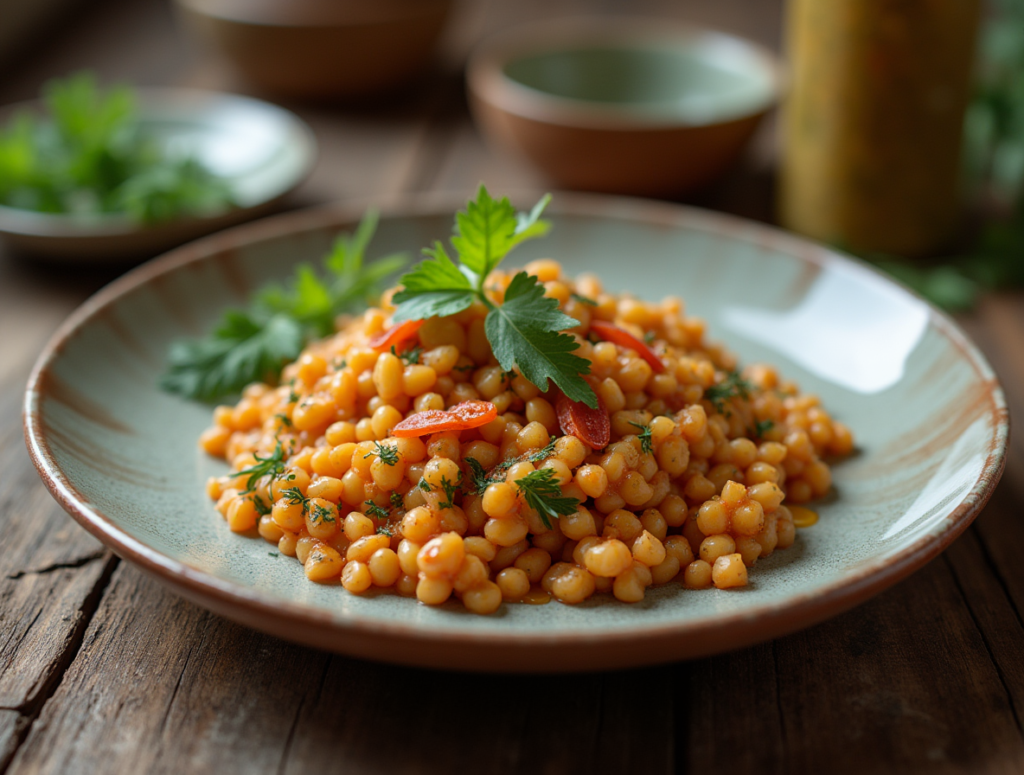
(616, 335)
(395, 335)
(461, 417)
(591, 426)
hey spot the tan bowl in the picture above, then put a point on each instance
(622, 105)
(320, 48)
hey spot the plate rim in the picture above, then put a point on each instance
(372, 638)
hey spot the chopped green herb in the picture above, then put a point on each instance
(411, 356)
(261, 505)
(272, 554)
(761, 427)
(294, 496)
(285, 419)
(649, 337)
(373, 510)
(450, 488)
(272, 466)
(384, 530)
(388, 455)
(733, 386)
(396, 500)
(497, 474)
(584, 300)
(465, 367)
(293, 397)
(525, 329)
(339, 364)
(423, 485)
(646, 442)
(319, 513)
(541, 491)
(478, 474)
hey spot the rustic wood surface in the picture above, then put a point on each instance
(102, 670)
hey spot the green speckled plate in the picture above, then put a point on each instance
(929, 418)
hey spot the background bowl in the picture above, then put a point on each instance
(622, 105)
(260, 150)
(320, 48)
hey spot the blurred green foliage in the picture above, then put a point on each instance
(90, 155)
(994, 171)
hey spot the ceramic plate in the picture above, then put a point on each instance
(929, 418)
(261, 150)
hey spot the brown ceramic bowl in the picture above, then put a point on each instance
(622, 105)
(320, 48)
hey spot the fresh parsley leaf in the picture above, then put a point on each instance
(541, 492)
(523, 333)
(319, 513)
(488, 229)
(524, 329)
(253, 345)
(646, 442)
(373, 510)
(761, 427)
(397, 501)
(273, 465)
(294, 496)
(239, 351)
(433, 287)
(411, 356)
(424, 485)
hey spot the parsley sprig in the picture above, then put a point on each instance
(481, 478)
(254, 344)
(541, 492)
(525, 329)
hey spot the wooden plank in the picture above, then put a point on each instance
(162, 686)
(905, 681)
(729, 710)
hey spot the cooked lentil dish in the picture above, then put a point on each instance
(403, 455)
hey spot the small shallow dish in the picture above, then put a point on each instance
(320, 49)
(929, 417)
(622, 105)
(261, 150)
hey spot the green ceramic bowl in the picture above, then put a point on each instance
(929, 418)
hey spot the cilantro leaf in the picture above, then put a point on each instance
(541, 492)
(523, 333)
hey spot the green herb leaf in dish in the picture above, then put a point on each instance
(254, 344)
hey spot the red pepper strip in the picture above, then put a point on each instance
(591, 426)
(461, 417)
(623, 338)
(397, 334)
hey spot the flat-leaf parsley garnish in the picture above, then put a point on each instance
(254, 344)
(525, 329)
(541, 492)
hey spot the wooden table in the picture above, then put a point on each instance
(102, 670)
